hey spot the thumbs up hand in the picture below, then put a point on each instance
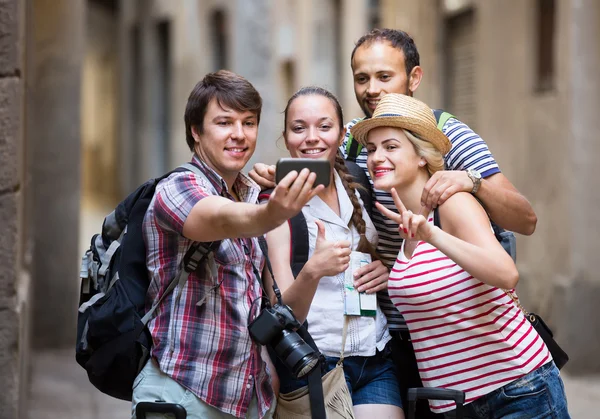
(329, 258)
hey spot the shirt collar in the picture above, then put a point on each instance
(246, 188)
(321, 210)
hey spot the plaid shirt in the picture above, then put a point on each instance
(202, 341)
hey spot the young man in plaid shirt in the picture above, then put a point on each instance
(202, 356)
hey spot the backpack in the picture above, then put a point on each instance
(506, 238)
(113, 341)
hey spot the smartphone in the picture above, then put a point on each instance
(321, 167)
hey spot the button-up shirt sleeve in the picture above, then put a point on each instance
(174, 199)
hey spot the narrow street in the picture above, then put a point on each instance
(60, 390)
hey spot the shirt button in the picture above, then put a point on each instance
(248, 386)
(250, 376)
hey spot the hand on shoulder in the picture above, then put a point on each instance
(444, 184)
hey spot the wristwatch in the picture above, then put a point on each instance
(475, 177)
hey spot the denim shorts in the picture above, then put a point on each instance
(370, 379)
(539, 394)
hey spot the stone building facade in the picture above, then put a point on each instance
(14, 289)
(41, 45)
(92, 94)
(529, 85)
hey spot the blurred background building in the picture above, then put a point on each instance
(92, 94)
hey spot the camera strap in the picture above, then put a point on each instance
(315, 385)
(262, 242)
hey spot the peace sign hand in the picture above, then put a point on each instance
(410, 225)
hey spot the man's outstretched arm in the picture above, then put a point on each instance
(505, 205)
(503, 202)
(216, 218)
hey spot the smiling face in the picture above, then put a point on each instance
(379, 68)
(227, 141)
(392, 159)
(312, 129)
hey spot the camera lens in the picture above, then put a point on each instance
(295, 353)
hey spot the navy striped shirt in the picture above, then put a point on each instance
(468, 151)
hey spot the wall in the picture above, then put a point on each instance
(14, 284)
(579, 311)
(544, 141)
(55, 53)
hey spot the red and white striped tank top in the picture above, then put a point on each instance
(467, 335)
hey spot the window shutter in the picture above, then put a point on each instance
(461, 67)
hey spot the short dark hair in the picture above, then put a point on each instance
(229, 89)
(399, 39)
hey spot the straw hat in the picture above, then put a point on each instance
(401, 111)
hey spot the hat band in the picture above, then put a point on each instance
(388, 114)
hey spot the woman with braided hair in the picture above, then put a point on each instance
(338, 225)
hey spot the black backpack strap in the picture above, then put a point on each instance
(436, 218)
(365, 191)
(299, 248)
(193, 258)
(299, 243)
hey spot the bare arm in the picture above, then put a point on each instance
(506, 206)
(503, 202)
(466, 238)
(297, 294)
(328, 259)
(216, 218)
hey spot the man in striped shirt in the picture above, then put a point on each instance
(202, 356)
(387, 61)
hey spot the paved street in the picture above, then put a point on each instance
(60, 390)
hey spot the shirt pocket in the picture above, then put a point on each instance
(230, 252)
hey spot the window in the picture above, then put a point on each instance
(339, 57)
(373, 13)
(546, 15)
(461, 67)
(288, 75)
(219, 39)
(164, 77)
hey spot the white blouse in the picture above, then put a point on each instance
(326, 314)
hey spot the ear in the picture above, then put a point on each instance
(342, 136)
(195, 133)
(285, 140)
(414, 80)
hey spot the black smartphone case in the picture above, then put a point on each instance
(321, 167)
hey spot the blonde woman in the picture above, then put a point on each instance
(449, 282)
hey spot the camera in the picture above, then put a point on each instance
(275, 326)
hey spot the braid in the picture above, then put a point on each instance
(357, 220)
(340, 166)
